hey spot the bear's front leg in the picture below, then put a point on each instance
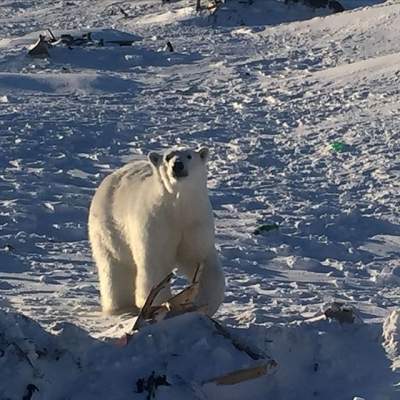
(117, 282)
(150, 272)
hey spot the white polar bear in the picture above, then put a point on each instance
(148, 218)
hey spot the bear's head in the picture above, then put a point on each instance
(181, 167)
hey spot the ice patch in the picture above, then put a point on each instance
(382, 245)
(389, 276)
(306, 264)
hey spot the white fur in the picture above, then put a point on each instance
(144, 222)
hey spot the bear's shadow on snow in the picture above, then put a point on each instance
(118, 58)
(65, 83)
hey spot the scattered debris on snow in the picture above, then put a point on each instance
(300, 109)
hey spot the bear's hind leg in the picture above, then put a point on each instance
(211, 282)
(117, 285)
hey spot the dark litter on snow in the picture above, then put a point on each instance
(101, 38)
(341, 313)
(265, 228)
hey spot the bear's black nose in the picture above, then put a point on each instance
(179, 166)
(179, 169)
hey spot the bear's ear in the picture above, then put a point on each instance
(203, 153)
(155, 158)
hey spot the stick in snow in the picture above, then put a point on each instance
(242, 375)
(146, 310)
(185, 298)
(236, 343)
(53, 38)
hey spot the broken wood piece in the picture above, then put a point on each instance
(236, 343)
(40, 48)
(241, 375)
(53, 38)
(185, 297)
(316, 318)
(180, 303)
(184, 301)
(145, 312)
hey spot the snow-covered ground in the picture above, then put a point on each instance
(302, 119)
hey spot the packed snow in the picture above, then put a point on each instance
(300, 110)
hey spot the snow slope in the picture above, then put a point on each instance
(316, 361)
(301, 118)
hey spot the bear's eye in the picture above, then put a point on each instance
(189, 157)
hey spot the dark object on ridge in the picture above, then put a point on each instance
(169, 46)
(30, 389)
(265, 228)
(119, 42)
(316, 3)
(335, 6)
(70, 40)
(151, 384)
(340, 312)
(125, 14)
(41, 48)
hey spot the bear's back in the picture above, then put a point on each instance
(116, 185)
(136, 169)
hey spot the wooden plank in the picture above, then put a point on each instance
(242, 375)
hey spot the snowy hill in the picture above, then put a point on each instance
(300, 110)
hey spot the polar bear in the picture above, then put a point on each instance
(148, 218)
